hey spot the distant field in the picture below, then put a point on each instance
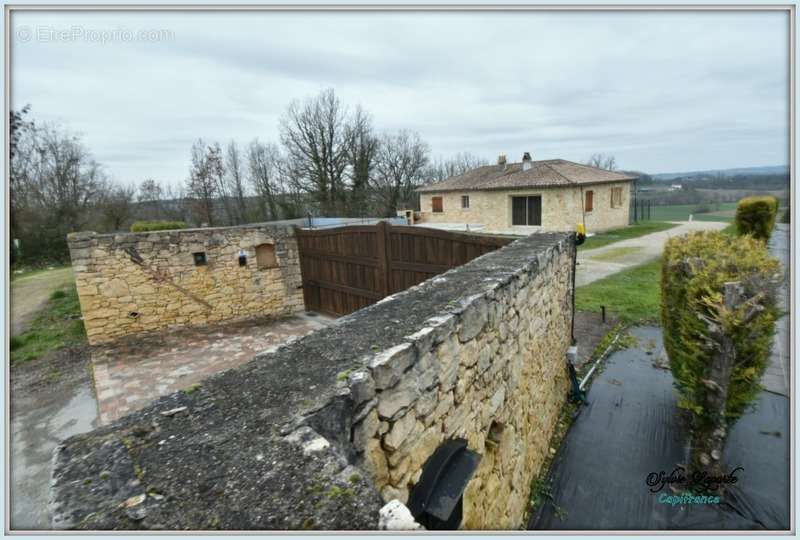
(681, 212)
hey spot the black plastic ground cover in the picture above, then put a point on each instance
(631, 427)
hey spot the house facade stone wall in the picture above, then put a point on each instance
(166, 289)
(561, 208)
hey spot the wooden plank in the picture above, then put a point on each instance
(384, 260)
(326, 255)
(333, 231)
(421, 267)
(453, 236)
(345, 289)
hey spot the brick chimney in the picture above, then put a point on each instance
(501, 159)
(527, 162)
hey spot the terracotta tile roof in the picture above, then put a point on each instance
(545, 173)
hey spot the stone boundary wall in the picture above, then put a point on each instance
(323, 432)
(494, 360)
(167, 289)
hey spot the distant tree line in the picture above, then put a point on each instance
(329, 161)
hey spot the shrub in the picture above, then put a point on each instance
(756, 216)
(718, 312)
(145, 226)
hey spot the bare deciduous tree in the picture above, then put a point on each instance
(150, 197)
(263, 174)
(399, 166)
(116, 206)
(442, 169)
(315, 136)
(363, 147)
(55, 186)
(202, 185)
(602, 161)
(235, 182)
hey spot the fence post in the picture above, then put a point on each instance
(382, 240)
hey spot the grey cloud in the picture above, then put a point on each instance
(662, 91)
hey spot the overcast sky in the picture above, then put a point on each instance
(661, 91)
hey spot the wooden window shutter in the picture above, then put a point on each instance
(265, 256)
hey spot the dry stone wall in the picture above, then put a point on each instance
(142, 282)
(494, 362)
(326, 430)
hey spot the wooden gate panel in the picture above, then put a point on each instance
(347, 268)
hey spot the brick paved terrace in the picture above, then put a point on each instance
(130, 374)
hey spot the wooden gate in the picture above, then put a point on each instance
(347, 268)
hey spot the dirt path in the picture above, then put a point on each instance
(594, 264)
(30, 293)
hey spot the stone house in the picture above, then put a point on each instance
(531, 196)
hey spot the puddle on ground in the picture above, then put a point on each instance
(40, 420)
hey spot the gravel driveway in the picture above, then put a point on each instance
(594, 264)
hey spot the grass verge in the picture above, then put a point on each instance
(631, 231)
(633, 295)
(614, 254)
(21, 273)
(730, 230)
(58, 325)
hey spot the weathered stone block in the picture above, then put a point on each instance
(392, 401)
(388, 366)
(473, 319)
(362, 387)
(401, 429)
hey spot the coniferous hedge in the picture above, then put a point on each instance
(701, 274)
(756, 216)
(146, 226)
(694, 269)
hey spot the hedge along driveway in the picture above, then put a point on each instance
(592, 266)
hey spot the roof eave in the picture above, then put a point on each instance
(432, 189)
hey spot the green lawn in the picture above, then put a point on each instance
(681, 212)
(58, 325)
(730, 230)
(25, 273)
(631, 231)
(615, 254)
(632, 295)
